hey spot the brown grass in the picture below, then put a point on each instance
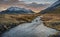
(8, 21)
(52, 20)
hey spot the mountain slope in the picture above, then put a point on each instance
(51, 16)
(54, 8)
(16, 10)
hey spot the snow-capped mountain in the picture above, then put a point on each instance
(16, 10)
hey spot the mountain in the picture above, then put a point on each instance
(16, 10)
(54, 8)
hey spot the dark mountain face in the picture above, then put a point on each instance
(53, 7)
(57, 3)
(16, 10)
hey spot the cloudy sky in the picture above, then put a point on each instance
(40, 1)
(35, 5)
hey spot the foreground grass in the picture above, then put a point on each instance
(8, 21)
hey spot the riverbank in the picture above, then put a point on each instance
(8, 21)
(52, 21)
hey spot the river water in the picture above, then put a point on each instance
(33, 29)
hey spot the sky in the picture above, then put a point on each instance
(40, 1)
(35, 5)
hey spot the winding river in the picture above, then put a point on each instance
(33, 29)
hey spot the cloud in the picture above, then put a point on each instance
(10, 1)
(37, 7)
(33, 4)
(42, 1)
(4, 4)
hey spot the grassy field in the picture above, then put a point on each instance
(8, 21)
(52, 20)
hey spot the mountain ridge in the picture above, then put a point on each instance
(16, 10)
(53, 8)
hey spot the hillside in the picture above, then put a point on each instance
(51, 17)
(14, 16)
(54, 8)
(8, 21)
(52, 11)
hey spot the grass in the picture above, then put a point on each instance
(52, 21)
(52, 18)
(8, 21)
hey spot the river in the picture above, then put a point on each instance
(34, 29)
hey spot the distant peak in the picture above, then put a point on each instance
(14, 8)
(17, 10)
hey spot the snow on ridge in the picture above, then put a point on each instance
(17, 9)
